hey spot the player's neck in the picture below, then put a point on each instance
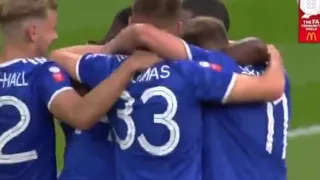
(16, 50)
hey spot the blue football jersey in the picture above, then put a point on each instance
(27, 136)
(158, 119)
(67, 131)
(246, 141)
(89, 154)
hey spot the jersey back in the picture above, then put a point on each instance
(245, 141)
(249, 141)
(158, 119)
(89, 154)
(158, 122)
(27, 136)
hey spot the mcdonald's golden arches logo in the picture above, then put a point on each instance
(311, 36)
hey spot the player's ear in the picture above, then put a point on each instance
(31, 33)
(130, 20)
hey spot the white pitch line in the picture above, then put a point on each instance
(305, 131)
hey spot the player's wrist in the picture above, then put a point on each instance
(130, 66)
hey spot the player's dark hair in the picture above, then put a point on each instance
(121, 20)
(81, 89)
(160, 9)
(211, 8)
(206, 32)
(249, 51)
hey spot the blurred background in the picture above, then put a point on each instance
(275, 21)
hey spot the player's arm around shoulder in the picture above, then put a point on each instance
(56, 92)
(211, 83)
(268, 87)
(70, 57)
(158, 41)
(84, 112)
(68, 60)
(83, 49)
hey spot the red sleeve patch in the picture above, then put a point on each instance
(57, 74)
(215, 67)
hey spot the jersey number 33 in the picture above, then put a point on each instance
(166, 119)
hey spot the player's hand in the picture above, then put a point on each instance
(142, 60)
(124, 42)
(275, 56)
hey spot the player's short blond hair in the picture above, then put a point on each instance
(15, 10)
(206, 32)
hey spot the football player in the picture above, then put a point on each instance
(165, 93)
(34, 89)
(240, 141)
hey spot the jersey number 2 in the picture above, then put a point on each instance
(166, 119)
(270, 108)
(15, 131)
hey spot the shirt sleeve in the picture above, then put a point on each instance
(219, 60)
(91, 68)
(208, 83)
(52, 81)
(195, 52)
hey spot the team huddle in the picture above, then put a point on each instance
(168, 98)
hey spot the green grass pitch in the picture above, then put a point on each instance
(275, 21)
